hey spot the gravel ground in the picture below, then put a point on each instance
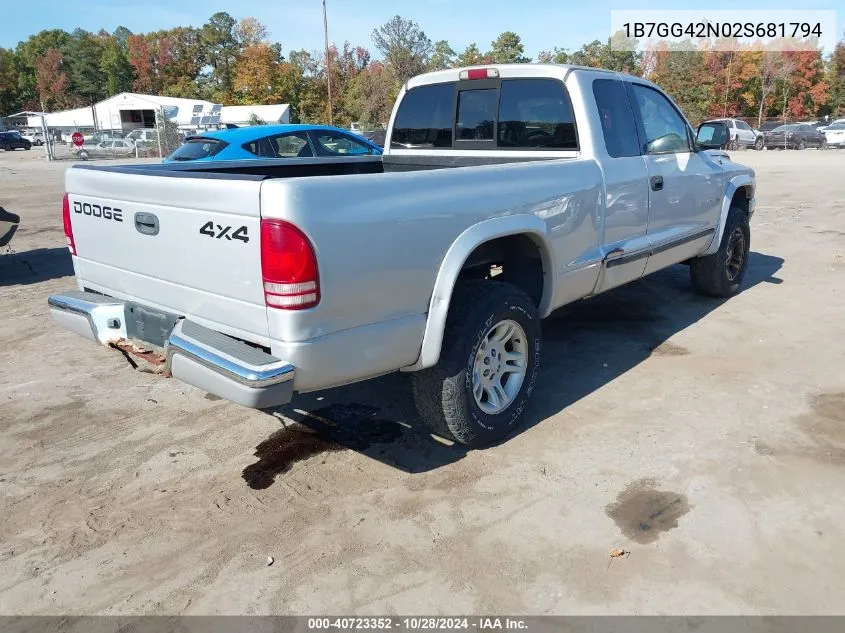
(705, 437)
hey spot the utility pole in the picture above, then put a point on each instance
(328, 61)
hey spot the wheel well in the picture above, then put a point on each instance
(740, 199)
(515, 259)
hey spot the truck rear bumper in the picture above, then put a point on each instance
(199, 356)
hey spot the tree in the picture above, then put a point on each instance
(28, 52)
(804, 89)
(556, 56)
(684, 75)
(115, 67)
(220, 48)
(370, 96)
(471, 56)
(255, 74)
(508, 49)
(9, 97)
(51, 80)
(141, 59)
(254, 119)
(835, 105)
(771, 71)
(84, 56)
(404, 46)
(250, 32)
(443, 56)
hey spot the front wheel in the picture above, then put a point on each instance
(758, 144)
(721, 274)
(733, 144)
(82, 154)
(488, 365)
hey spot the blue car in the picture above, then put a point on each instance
(273, 141)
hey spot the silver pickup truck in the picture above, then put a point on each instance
(504, 193)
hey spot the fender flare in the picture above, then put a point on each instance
(742, 180)
(453, 262)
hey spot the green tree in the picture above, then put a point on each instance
(9, 98)
(84, 59)
(405, 47)
(443, 56)
(221, 50)
(115, 67)
(370, 95)
(471, 56)
(556, 56)
(508, 49)
(835, 105)
(31, 50)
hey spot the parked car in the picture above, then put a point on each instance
(742, 134)
(497, 201)
(273, 141)
(35, 137)
(146, 135)
(13, 140)
(119, 148)
(8, 226)
(834, 134)
(103, 135)
(825, 126)
(794, 136)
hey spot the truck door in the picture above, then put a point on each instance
(685, 186)
(624, 244)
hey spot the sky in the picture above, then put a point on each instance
(297, 24)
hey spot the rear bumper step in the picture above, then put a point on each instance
(195, 354)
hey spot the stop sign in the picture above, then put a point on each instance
(77, 138)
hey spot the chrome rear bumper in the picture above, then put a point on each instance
(197, 355)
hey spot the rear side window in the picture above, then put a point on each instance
(293, 145)
(617, 118)
(425, 118)
(195, 148)
(536, 114)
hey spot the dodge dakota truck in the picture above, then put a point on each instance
(504, 192)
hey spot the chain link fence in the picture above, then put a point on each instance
(154, 138)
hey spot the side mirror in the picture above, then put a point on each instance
(712, 135)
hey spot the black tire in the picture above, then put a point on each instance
(82, 154)
(733, 144)
(801, 144)
(721, 274)
(28, 146)
(758, 144)
(443, 394)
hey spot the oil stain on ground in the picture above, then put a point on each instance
(823, 426)
(643, 512)
(335, 428)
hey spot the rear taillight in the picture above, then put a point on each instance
(288, 267)
(479, 73)
(68, 228)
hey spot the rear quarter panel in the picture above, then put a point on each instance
(380, 238)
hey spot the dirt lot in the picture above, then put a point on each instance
(706, 437)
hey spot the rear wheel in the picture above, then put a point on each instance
(802, 144)
(721, 274)
(83, 154)
(488, 365)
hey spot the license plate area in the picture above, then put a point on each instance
(148, 324)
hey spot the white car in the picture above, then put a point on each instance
(834, 134)
(36, 137)
(742, 134)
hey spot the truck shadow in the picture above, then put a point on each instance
(35, 266)
(586, 346)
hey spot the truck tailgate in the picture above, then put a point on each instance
(182, 244)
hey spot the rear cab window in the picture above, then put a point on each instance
(198, 147)
(495, 114)
(617, 118)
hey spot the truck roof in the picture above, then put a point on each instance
(511, 71)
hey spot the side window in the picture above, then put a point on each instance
(536, 113)
(617, 118)
(665, 129)
(476, 114)
(336, 144)
(743, 126)
(424, 119)
(293, 145)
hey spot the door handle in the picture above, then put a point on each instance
(656, 183)
(146, 223)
